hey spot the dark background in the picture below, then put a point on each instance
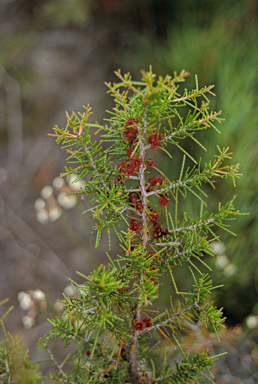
(55, 57)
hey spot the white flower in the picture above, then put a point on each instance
(76, 186)
(42, 216)
(67, 201)
(28, 322)
(25, 301)
(252, 321)
(58, 182)
(59, 307)
(39, 295)
(68, 291)
(217, 248)
(46, 192)
(21, 295)
(230, 270)
(221, 261)
(54, 213)
(39, 204)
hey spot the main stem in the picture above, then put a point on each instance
(133, 346)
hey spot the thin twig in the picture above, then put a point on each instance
(56, 364)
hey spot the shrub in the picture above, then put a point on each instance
(114, 318)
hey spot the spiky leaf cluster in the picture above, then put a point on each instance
(15, 366)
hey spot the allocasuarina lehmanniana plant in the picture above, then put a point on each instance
(121, 336)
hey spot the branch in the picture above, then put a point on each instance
(176, 185)
(187, 127)
(178, 314)
(96, 172)
(179, 254)
(190, 227)
(133, 346)
(106, 356)
(193, 366)
(56, 364)
(195, 93)
(201, 177)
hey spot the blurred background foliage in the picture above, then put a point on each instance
(220, 46)
(55, 56)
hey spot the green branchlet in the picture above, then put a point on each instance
(15, 366)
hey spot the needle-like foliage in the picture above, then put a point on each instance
(113, 318)
(15, 366)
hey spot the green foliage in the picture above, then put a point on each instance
(14, 364)
(113, 321)
(223, 52)
(65, 12)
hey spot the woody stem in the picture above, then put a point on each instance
(133, 347)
